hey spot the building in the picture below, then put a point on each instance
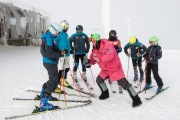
(19, 26)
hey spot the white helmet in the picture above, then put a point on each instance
(54, 28)
(64, 25)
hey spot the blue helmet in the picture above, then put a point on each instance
(55, 28)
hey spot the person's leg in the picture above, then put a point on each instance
(134, 62)
(49, 87)
(140, 69)
(83, 67)
(127, 86)
(76, 64)
(103, 88)
(157, 77)
(148, 75)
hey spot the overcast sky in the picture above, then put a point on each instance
(140, 18)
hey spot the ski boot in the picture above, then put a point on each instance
(104, 95)
(159, 88)
(147, 86)
(89, 86)
(120, 89)
(44, 105)
(66, 84)
(112, 86)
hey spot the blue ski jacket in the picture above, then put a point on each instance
(135, 48)
(79, 43)
(49, 50)
(63, 42)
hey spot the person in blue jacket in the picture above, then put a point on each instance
(152, 55)
(137, 49)
(79, 43)
(63, 43)
(50, 54)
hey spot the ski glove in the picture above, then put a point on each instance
(138, 55)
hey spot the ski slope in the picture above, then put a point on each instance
(21, 69)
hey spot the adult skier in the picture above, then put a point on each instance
(79, 43)
(137, 49)
(153, 54)
(106, 57)
(50, 54)
(63, 44)
(113, 39)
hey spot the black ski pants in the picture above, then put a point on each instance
(53, 81)
(154, 68)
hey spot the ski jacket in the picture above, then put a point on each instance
(109, 61)
(154, 52)
(117, 45)
(49, 50)
(134, 49)
(79, 43)
(63, 42)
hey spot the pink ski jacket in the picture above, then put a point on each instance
(109, 61)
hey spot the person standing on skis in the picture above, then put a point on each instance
(79, 43)
(113, 39)
(63, 44)
(153, 54)
(50, 54)
(137, 49)
(106, 57)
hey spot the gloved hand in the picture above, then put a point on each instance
(63, 52)
(138, 55)
(128, 54)
(96, 58)
(71, 51)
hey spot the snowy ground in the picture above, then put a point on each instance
(21, 69)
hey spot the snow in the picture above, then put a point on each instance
(21, 69)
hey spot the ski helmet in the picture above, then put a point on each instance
(154, 39)
(132, 40)
(64, 25)
(54, 28)
(95, 37)
(113, 32)
(79, 28)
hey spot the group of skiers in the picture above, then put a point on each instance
(57, 47)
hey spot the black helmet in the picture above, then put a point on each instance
(113, 32)
(79, 28)
(112, 35)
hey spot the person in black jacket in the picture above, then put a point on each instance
(113, 39)
(79, 44)
(152, 55)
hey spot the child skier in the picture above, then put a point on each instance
(50, 54)
(63, 44)
(153, 54)
(79, 43)
(106, 57)
(136, 51)
(117, 45)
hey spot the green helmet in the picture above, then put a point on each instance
(154, 39)
(96, 36)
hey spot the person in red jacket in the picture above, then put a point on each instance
(105, 56)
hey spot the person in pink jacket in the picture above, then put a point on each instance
(105, 56)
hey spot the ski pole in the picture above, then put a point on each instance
(72, 76)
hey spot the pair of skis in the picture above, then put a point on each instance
(36, 110)
(154, 95)
(37, 98)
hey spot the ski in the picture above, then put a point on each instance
(144, 90)
(68, 94)
(156, 94)
(36, 111)
(37, 98)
